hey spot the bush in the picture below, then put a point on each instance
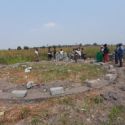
(19, 48)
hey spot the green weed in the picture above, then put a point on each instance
(25, 112)
(117, 115)
(35, 121)
(98, 100)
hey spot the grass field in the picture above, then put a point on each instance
(15, 56)
(79, 109)
(47, 71)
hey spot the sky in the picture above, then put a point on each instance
(39, 23)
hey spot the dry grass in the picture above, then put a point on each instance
(15, 56)
(75, 110)
(45, 72)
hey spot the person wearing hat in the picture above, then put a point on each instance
(120, 54)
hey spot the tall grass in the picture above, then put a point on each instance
(15, 56)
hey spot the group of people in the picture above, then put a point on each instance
(103, 54)
(77, 53)
(53, 54)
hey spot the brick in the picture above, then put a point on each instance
(56, 90)
(19, 93)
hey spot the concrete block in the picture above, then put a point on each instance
(56, 90)
(93, 83)
(111, 66)
(98, 64)
(19, 93)
(110, 77)
(102, 63)
(112, 71)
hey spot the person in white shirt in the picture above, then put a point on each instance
(36, 55)
(79, 52)
(61, 52)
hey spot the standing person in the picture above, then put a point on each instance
(83, 55)
(49, 54)
(61, 54)
(99, 55)
(54, 53)
(106, 53)
(76, 55)
(79, 53)
(72, 54)
(116, 54)
(36, 55)
(120, 54)
(102, 49)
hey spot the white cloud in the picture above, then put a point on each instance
(50, 25)
(44, 27)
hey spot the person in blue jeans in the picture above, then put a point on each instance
(120, 54)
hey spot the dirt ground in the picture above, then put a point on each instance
(105, 106)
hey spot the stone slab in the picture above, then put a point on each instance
(56, 90)
(6, 96)
(19, 93)
(111, 66)
(112, 71)
(110, 77)
(93, 83)
(76, 90)
(37, 94)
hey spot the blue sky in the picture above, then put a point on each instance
(53, 22)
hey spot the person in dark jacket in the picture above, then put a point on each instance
(49, 54)
(116, 54)
(83, 55)
(120, 55)
(54, 52)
